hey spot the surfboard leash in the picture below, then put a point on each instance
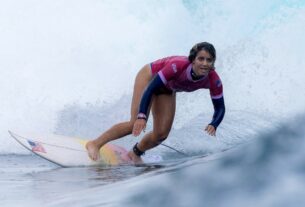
(172, 148)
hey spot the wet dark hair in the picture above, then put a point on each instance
(202, 46)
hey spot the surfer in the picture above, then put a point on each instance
(155, 90)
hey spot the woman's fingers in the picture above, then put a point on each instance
(138, 126)
(210, 130)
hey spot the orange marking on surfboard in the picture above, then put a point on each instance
(107, 153)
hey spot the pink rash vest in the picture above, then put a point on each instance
(175, 73)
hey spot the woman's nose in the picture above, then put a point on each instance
(205, 62)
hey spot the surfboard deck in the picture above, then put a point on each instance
(71, 151)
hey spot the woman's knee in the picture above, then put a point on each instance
(158, 138)
(129, 126)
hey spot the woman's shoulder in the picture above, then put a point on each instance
(179, 62)
(215, 81)
(173, 59)
(179, 59)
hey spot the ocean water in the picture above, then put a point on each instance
(68, 67)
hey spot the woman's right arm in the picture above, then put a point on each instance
(140, 123)
(154, 84)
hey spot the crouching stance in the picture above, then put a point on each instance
(155, 90)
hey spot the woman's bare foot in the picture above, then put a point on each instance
(93, 150)
(136, 159)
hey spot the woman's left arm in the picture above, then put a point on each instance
(219, 112)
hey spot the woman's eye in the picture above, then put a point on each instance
(207, 59)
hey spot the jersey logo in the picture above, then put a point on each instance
(218, 83)
(174, 67)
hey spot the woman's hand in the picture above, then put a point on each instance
(138, 126)
(210, 130)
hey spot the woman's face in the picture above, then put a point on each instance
(203, 63)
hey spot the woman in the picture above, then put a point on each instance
(155, 88)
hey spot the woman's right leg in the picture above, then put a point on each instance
(125, 128)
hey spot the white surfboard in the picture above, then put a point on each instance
(71, 152)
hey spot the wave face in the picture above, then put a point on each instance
(269, 171)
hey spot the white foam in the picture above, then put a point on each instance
(56, 54)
